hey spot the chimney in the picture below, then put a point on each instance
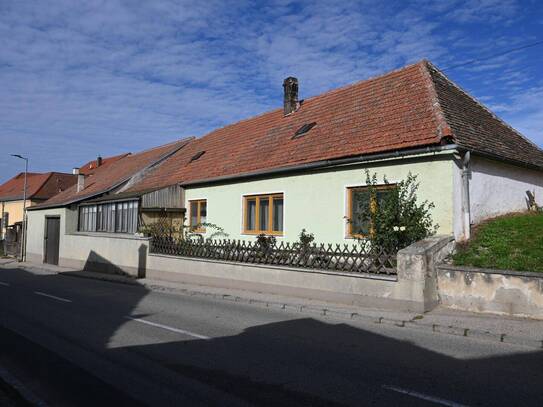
(75, 171)
(290, 99)
(99, 161)
(80, 182)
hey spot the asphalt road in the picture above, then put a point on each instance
(75, 341)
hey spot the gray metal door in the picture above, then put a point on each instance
(52, 239)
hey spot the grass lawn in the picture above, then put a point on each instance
(513, 242)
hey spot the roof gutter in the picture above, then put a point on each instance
(328, 163)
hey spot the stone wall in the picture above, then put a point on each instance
(493, 291)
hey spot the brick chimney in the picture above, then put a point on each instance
(290, 99)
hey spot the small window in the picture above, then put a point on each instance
(198, 215)
(359, 200)
(304, 129)
(196, 156)
(263, 214)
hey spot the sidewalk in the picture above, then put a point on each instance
(488, 327)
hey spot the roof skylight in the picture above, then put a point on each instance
(196, 156)
(304, 129)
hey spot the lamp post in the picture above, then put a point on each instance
(23, 237)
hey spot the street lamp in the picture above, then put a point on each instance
(23, 237)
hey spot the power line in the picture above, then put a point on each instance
(499, 54)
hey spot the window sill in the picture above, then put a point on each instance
(274, 234)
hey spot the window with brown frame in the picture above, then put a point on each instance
(263, 214)
(359, 199)
(198, 215)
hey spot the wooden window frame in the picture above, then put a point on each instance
(198, 202)
(269, 231)
(350, 190)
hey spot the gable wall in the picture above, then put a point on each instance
(497, 188)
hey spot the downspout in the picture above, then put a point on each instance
(465, 195)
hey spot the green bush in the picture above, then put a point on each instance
(396, 219)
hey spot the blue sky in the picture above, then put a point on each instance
(81, 79)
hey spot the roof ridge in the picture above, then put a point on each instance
(443, 128)
(171, 143)
(494, 115)
(326, 93)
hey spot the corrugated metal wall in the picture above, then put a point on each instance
(170, 197)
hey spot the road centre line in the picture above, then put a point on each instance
(4, 284)
(169, 328)
(422, 396)
(52, 296)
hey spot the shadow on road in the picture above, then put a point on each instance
(303, 361)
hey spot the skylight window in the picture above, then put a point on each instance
(304, 129)
(196, 156)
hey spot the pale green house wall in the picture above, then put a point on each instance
(317, 201)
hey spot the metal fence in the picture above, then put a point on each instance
(344, 258)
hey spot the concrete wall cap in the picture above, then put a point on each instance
(433, 243)
(465, 269)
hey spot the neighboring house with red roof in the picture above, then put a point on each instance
(299, 167)
(40, 187)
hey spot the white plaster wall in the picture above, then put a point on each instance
(106, 252)
(497, 188)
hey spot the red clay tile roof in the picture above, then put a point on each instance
(92, 165)
(416, 106)
(391, 112)
(476, 128)
(39, 185)
(106, 178)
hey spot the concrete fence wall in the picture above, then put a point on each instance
(414, 288)
(493, 291)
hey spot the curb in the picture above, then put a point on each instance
(325, 312)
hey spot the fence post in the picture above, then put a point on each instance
(417, 277)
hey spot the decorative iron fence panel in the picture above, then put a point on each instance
(343, 258)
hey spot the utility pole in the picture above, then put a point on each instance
(23, 237)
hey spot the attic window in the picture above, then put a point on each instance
(304, 129)
(196, 156)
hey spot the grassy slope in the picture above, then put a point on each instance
(512, 242)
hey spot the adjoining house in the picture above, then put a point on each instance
(40, 187)
(300, 167)
(99, 205)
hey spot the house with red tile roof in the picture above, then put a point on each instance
(40, 187)
(300, 167)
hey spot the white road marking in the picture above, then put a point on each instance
(422, 396)
(52, 296)
(169, 328)
(4, 284)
